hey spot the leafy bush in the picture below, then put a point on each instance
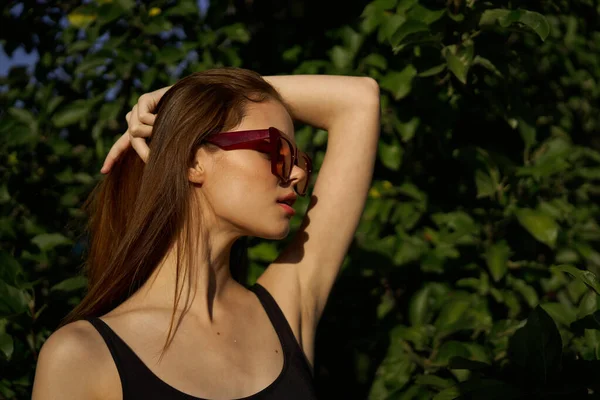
(474, 269)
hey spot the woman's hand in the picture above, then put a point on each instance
(139, 126)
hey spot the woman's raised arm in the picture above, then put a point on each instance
(348, 108)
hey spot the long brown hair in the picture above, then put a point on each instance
(138, 210)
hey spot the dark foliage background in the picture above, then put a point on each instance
(474, 270)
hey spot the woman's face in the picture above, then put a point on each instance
(239, 185)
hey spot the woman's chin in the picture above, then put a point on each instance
(283, 234)
(279, 234)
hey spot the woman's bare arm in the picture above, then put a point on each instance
(348, 108)
(68, 365)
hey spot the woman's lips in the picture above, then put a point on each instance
(289, 210)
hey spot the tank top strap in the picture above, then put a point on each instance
(278, 319)
(127, 362)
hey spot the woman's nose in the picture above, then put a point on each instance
(297, 175)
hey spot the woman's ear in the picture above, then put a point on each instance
(196, 173)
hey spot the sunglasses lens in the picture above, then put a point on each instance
(284, 160)
(285, 163)
(305, 165)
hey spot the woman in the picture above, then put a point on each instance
(163, 317)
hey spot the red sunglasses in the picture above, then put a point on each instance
(284, 153)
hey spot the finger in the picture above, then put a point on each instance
(115, 151)
(132, 117)
(140, 131)
(147, 104)
(141, 147)
(147, 118)
(136, 127)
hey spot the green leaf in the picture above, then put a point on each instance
(418, 311)
(72, 113)
(560, 313)
(10, 269)
(389, 26)
(407, 129)
(451, 312)
(432, 71)
(528, 292)
(587, 277)
(90, 63)
(458, 362)
(411, 248)
(170, 55)
(417, 335)
(490, 17)
(391, 377)
(110, 111)
(12, 300)
(407, 28)
(589, 303)
(15, 133)
(486, 185)
(459, 60)
(109, 12)
(390, 155)
(6, 345)
(26, 129)
(497, 257)
(395, 370)
(550, 160)
(4, 195)
(341, 57)
(375, 60)
(320, 137)
(536, 21)
(536, 348)
(457, 226)
(434, 381)
(236, 32)
(78, 47)
(487, 64)
(148, 77)
(53, 103)
(81, 18)
(114, 42)
(405, 5)
(71, 284)
(591, 321)
(450, 393)
(479, 389)
(540, 225)
(527, 132)
(399, 83)
(158, 25)
(292, 54)
(422, 14)
(372, 16)
(48, 241)
(450, 349)
(263, 252)
(22, 115)
(183, 8)
(386, 305)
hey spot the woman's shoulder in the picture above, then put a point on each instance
(74, 362)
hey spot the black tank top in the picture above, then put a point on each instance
(295, 382)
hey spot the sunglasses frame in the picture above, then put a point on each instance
(255, 140)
